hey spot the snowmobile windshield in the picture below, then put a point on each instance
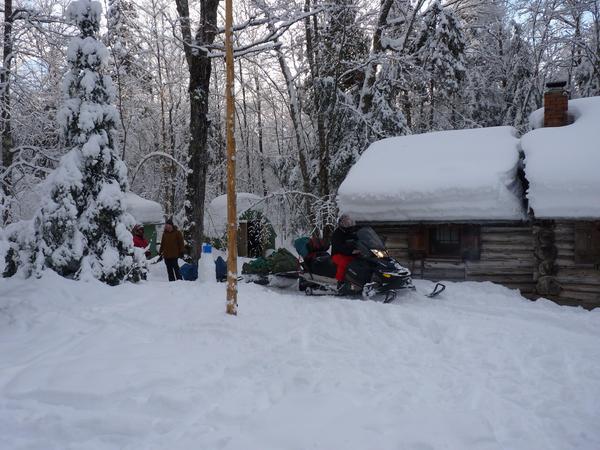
(370, 239)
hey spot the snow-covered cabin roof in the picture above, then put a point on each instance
(215, 219)
(562, 164)
(143, 210)
(439, 176)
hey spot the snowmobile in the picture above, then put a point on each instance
(372, 273)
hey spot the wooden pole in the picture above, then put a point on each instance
(231, 194)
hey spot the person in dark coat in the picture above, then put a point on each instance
(171, 248)
(343, 247)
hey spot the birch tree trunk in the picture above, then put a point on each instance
(313, 63)
(295, 115)
(260, 135)
(245, 132)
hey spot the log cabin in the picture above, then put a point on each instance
(562, 166)
(481, 204)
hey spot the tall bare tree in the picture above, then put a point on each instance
(199, 66)
(5, 119)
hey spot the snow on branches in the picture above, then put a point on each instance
(81, 229)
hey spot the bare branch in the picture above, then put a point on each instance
(156, 155)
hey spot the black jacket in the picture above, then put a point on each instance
(343, 241)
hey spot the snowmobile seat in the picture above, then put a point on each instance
(322, 264)
(315, 247)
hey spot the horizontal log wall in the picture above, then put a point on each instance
(506, 257)
(580, 283)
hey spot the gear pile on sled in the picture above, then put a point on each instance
(280, 268)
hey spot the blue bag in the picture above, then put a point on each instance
(221, 269)
(189, 272)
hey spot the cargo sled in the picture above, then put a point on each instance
(280, 269)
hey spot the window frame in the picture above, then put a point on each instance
(438, 248)
(468, 247)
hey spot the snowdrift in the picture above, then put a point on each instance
(160, 366)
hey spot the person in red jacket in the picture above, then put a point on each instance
(139, 240)
(343, 248)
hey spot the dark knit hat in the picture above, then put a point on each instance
(169, 222)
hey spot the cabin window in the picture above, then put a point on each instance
(444, 240)
(457, 241)
(587, 243)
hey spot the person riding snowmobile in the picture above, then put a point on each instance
(343, 246)
(360, 265)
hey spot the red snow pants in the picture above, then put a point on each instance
(341, 261)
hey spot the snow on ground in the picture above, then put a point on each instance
(160, 366)
(444, 175)
(561, 163)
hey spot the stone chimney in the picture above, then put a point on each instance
(556, 104)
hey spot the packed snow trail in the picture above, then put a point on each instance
(160, 366)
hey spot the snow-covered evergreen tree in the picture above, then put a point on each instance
(335, 52)
(587, 78)
(487, 65)
(387, 118)
(82, 228)
(440, 49)
(519, 81)
(341, 44)
(120, 18)
(586, 73)
(337, 59)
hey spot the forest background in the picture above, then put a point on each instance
(316, 83)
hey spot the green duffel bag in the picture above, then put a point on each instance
(282, 261)
(260, 266)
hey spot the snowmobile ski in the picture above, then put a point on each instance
(437, 290)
